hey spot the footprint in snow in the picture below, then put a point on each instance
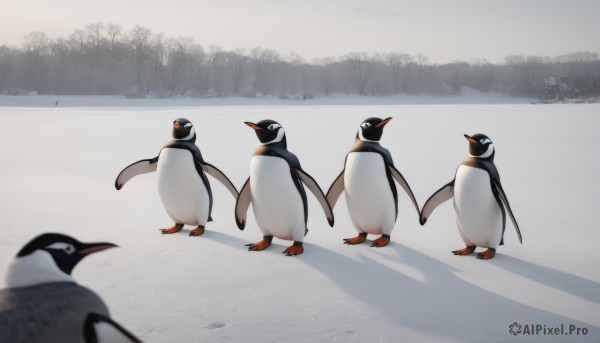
(215, 326)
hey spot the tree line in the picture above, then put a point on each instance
(102, 59)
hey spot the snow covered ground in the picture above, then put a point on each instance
(58, 167)
(467, 96)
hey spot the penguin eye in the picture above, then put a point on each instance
(272, 127)
(484, 141)
(66, 247)
(365, 125)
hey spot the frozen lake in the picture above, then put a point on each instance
(58, 168)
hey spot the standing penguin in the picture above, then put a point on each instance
(43, 303)
(479, 200)
(275, 190)
(368, 181)
(182, 185)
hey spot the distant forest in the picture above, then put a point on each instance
(102, 59)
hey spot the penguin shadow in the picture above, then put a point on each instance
(441, 303)
(569, 283)
(223, 238)
(238, 243)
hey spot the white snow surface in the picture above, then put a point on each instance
(58, 167)
(466, 96)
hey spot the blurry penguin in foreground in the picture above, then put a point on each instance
(275, 189)
(368, 182)
(182, 183)
(479, 200)
(42, 302)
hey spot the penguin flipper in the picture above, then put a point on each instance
(443, 194)
(134, 169)
(100, 329)
(402, 181)
(242, 204)
(318, 193)
(507, 205)
(335, 190)
(220, 176)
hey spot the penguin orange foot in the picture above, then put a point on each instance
(197, 231)
(356, 240)
(295, 249)
(466, 251)
(262, 245)
(486, 255)
(173, 229)
(381, 241)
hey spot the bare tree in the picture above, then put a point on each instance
(216, 59)
(421, 62)
(183, 63)
(395, 62)
(36, 45)
(199, 69)
(264, 64)
(158, 59)
(236, 62)
(59, 61)
(174, 66)
(94, 34)
(361, 69)
(407, 84)
(326, 73)
(295, 62)
(525, 71)
(7, 69)
(115, 53)
(139, 39)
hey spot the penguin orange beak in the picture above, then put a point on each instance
(384, 122)
(176, 124)
(252, 125)
(95, 247)
(470, 139)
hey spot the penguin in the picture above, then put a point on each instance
(42, 301)
(182, 183)
(368, 182)
(275, 189)
(479, 200)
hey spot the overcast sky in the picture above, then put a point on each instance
(443, 30)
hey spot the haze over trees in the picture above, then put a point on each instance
(103, 59)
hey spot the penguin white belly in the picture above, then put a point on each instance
(368, 194)
(476, 212)
(181, 189)
(276, 203)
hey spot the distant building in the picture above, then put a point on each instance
(557, 88)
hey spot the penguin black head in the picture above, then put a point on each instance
(66, 251)
(371, 129)
(183, 129)
(268, 131)
(480, 145)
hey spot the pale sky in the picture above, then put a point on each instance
(443, 30)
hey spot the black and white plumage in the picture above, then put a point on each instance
(368, 183)
(480, 203)
(275, 189)
(183, 187)
(42, 301)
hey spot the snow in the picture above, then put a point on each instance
(467, 96)
(58, 168)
